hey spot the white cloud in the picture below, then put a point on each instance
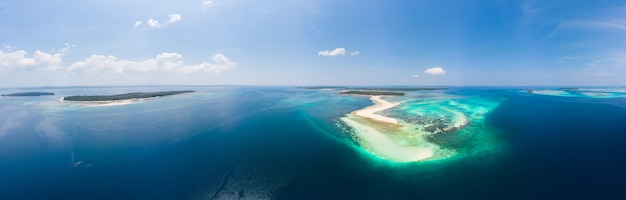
(336, 52)
(65, 50)
(435, 71)
(174, 18)
(9, 47)
(11, 59)
(163, 63)
(221, 63)
(354, 53)
(415, 76)
(207, 2)
(138, 23)
(153, 23)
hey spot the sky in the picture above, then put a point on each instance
(312, 42)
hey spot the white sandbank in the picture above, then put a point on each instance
(383, 144)
(379, 105)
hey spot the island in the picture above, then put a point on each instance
(404, 89)
(323, 87)
(569, 88)
(27, 94)
(127, 96)
(373, 93)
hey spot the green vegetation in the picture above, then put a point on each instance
(134, 95)
(323, 87)
(405, 89)
(389, 91)
(369, 92)
(569, 88)
(27, 94)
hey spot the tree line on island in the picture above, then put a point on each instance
(376, 93)
(134, 95)
(382, 91)
(407, 89)
(27, 94)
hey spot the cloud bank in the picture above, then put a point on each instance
(165, 62)
(435, 71)
(11, 59)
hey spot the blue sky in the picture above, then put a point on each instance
(312, 42)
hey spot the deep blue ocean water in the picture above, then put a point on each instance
(227, 142)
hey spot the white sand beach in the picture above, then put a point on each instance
(103, 103)
(379, 105)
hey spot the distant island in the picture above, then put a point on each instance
(27, 94)
(375, 93)
(323, 87)
(406, 89)
(134, 95)
(569, 88)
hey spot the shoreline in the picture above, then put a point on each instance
(105, 103)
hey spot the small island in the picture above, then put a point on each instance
(376, 91)
(404, 89)
(323, 87)
(127, 96)
(401, 89)
(27, 94)
(373, 93)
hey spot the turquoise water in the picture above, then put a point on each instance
(591, 92)
(227, 142)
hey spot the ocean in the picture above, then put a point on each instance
(249, 142)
